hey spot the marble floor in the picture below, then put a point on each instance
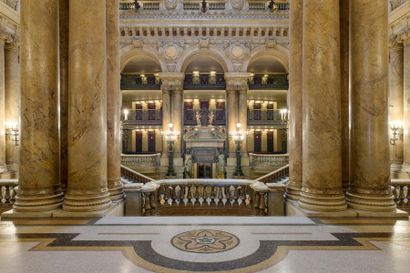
(205, 244)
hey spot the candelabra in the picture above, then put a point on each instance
(171, 136)
(238, 136)
(12, 132)
(396, 128)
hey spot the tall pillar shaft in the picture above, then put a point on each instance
(113, 102)
(166, 118)
(396, 104)
(243, 116)
(344, 73)
(39, 187)
(232, 117)
(177, 100)
(369, 186)
(63, 25)
(322, 181)
(87, 113)
(13, 96)
(3, 166)
(406, 107)
(295, 100)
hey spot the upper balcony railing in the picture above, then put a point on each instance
(140, 82)
(269, 82)
(144, 117)
(204, 81)
(265, 117)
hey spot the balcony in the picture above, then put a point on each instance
(144, 117)
(218, 120)
(269, 82)
(265, 117)
(140, 82)
(204, 82)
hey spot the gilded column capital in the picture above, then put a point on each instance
(237, 81)
(172, 81)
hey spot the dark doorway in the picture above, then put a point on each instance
(204, 170)
(138, 142)
(270, 139)
(151, 142)
(257, 142)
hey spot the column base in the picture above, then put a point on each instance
(372, 203)
(328, 202)
(116, 190)
(79, 203)
(38, 203)
(292, 191)
(294, 209)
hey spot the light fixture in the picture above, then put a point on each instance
(195, 77)
(396, 128)
(212, 77)
(284, 114)
(273, 6)
(126, 112)
(12, 132)
(238, 136)
(171, 136)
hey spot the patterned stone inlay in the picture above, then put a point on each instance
(205, 241)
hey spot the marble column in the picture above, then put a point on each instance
(39, 187)
(243, 114)
(344, 73)
(232, 118)
(87, 192)
(295, 100)
(396, 105)
(63, 25)
(406, 107)
(177, 119)
(113, 102)
(370, 169)
(322, 166)
(13, 97)
(166, 119)
(3, 166)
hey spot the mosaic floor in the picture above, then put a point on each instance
(205, 244)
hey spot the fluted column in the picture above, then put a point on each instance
(39, 187)
(63, 25)
(344, 73)
(322, 181)
(3, 166)
(370, 169)
(396, 104)
(13, 97)
(406, 107)
(295, 100)
(87, 113)
(113, 102)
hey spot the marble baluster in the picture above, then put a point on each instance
(295, 100)
(406, 107)
(322, 166)
(87, 192)
(39, 187)
(344, 73)
(13, 97)
(3, 166)
(63, 24)
(113, 102)
(370, 169)
(396, 105)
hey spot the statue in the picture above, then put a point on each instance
(198, 118)
(188, 166)
(220, 166)
(211, 118)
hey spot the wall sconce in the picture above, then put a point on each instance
(126, 112)
(12, 132)
(265, 79)
(195, 77)
(157, 78)
(251, 78)
(396, 128)
(284, 115)
(212, 77)
(144, 79)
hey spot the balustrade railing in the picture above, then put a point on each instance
(400, 188)
(269, 82)
(394, 4)
(275, 176)
(191, 194)
(141, 161)
(144, 117)
(265, 116)
(8, 189)
(134, 176)
(204, 81)
(272, 160)
(140, 82)
(11, 3)
(219, 117)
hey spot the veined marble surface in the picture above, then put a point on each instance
(205, 244)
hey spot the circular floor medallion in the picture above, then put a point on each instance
(205, 241)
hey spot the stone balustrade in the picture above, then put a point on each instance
(141, 160)
(133, 176)
(268, 160)
(11, 3)
(400, 188)
(394, 4)
(272, 177)
(8, 189)
(184, 195)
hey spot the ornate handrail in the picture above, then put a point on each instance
(11, 3)
(8, 189)
(134, 176)
(210, 193)
(141, 160)
(275, 175)
(263, 160)
(394, 4)
(400, 189)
